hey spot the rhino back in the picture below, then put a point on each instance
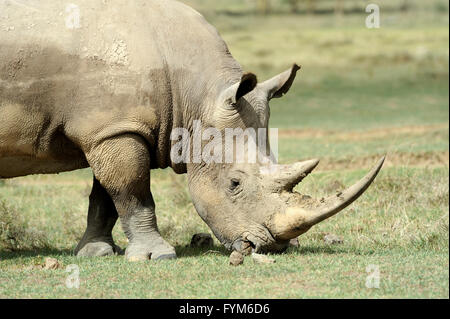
(138, 34)
(72, 76)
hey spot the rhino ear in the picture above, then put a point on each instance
(235, 92)
(279, 85)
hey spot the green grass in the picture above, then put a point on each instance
(400, 225)
(361, 94)
(308, 273)
(332, 145)
(336, 103)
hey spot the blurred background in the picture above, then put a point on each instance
(353, 78)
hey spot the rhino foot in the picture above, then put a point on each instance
(99, 249)
(159, 249)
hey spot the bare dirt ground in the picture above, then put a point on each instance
(362, 135)
(425, 159)
(394, 158)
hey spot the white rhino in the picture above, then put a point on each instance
(102, 84)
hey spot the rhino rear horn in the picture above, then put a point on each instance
(286, 177)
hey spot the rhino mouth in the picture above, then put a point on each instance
(261, 241)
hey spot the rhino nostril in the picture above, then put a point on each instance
(235, 186)
(234, 183)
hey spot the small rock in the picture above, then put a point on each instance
(51, 263)
(294, 242)
(236, 258)
(245, 248)
(202, 240)
(332, 239)
(262, 259)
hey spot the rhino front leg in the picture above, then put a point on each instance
(122, 166)
(142, 231)
(102, 216)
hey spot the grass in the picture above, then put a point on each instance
(361, 94)
(309, 273)
(400, 225)
(16, 235)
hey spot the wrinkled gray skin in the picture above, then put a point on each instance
(107, 93)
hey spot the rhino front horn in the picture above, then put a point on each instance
(297, 220)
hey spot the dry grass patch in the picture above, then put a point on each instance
(15, 233)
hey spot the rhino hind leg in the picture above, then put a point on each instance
(122, 166)
(102, 216)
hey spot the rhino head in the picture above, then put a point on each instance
(253, 205)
